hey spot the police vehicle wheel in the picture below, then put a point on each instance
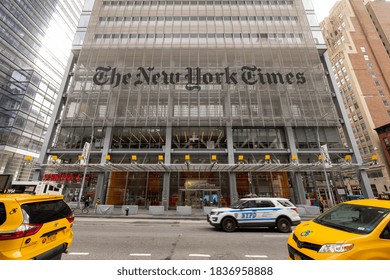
(229, 224)
(283, 225)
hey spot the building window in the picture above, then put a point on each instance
(79, 38)
(386, 103)
(366, 57)
(377, 83)
(375, 174)
(363, 49)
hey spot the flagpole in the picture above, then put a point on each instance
(324, 168)
(327, 181)
(86, 155)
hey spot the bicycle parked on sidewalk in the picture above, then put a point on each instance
(81, 209)
(85, 209)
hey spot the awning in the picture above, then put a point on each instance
(189, 167)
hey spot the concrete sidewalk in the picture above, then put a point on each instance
(143, 213)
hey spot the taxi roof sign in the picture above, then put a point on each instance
(384, 196)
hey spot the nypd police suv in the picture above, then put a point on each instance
(256, 212)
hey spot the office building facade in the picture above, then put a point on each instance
(197, 103)
(357, 37)
(35, 42)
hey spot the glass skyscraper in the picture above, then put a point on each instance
(35, 41)
(197, 103)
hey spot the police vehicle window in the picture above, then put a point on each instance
(285, 203)
(251, 204)
(43, 212)
(2, 214)
(265, 203)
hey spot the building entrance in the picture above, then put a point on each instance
(198, 189)
(198, 198)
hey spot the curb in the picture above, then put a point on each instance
(159, 217)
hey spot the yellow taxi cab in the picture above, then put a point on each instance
(34, 226)
(354, 230)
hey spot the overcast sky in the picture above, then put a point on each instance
(322, 7)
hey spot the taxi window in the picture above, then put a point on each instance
(43, 212)
(386, 232)
(2, 213)
(353, 218)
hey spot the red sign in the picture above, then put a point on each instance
(70, 177)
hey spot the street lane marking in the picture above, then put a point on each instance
(140, 255)
(78, 254)
(256, 256)
(200, 255)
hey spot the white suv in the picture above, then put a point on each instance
(256, 212)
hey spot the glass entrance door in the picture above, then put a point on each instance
(198, 198)
(198, 189)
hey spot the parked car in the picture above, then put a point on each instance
(34, 226)
(354, 230)
(256, 212)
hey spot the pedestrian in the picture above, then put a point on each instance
(97, 202)
(86, 202)
(321, 205)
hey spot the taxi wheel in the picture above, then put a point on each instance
(229, 224)
(283, 225)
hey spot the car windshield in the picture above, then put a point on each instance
(353, 218)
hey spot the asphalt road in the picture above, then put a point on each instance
(153, 239)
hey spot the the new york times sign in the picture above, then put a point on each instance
(194, 78)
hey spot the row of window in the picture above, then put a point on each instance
(200, 18)
(375, 76)
(176, 3)
(19, 141)
(201, 137)
(367, 150)
(202, 35)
